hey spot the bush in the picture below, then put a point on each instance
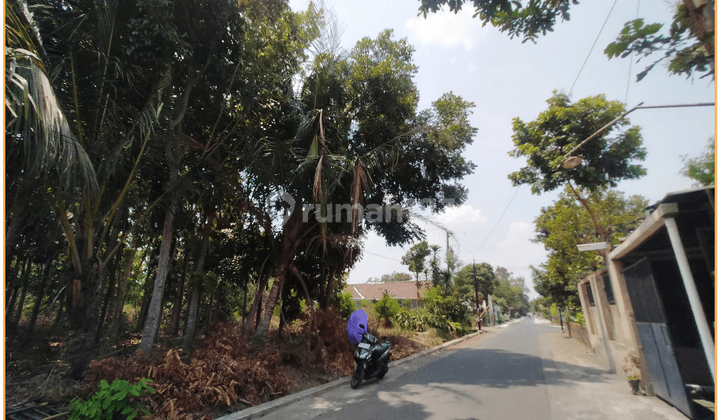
(386, 308)
(411, 321)
(576, 317)
(445, 313)
(344, 304)
(112, 399)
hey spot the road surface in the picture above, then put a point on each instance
(509, 373)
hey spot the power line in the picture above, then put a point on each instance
(627, 88)
(498, 221)
(381, 256)
(591, 48)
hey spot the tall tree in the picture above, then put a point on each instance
(606, 159)
(363, 142)
(566, 224)
(395, 277)
(415, 260)
(110, 104)
(482, 274)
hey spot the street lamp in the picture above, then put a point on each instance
(574, 161)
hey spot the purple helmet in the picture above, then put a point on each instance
(357, 326)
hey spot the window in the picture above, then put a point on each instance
(588, 292)
(609, 289)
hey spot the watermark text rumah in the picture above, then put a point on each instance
(347, 213)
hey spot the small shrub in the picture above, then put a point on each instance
(111, 400)
(344, 304)
(445, 313)
(387, 307)
(576, 317)
(364, 303)
(631, 366)
(411, 321)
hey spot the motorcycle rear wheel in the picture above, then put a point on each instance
(383, 372)
(357, 377)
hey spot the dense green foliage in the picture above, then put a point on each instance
(410, 320)
(685, 49)
(527, 20)
(689, 46)
(111, 401)
(345, 304)
(387, 307)
(607, 159)
(608, 217)
(414, 259)
(147, 142)
(475, 276)
(446, 313)
(702, 168)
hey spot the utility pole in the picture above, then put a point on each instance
(477, 298)
(447, 247)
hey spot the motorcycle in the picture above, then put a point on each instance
(371, 360)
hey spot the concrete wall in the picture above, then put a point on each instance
(579, 332)
(605, 323)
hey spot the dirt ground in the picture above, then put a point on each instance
(39, 371)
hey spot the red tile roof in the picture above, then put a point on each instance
(399, 290)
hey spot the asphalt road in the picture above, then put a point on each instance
(501, 375)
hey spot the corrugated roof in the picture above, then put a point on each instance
(399, 290)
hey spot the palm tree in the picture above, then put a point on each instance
(91, 124)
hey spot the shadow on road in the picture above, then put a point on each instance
(456, 386)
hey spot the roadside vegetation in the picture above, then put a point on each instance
(151, 147)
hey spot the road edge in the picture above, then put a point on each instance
(262, 409)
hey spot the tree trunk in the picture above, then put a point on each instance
(39, 294)
(253, 318)
(178, 303)
(11, 271)
(25, 284)
(155, 309)
(147, 296)
(15, 226)
(211, 309)
(90, 327)
(58, 316)
(282, 317)
(260, 336)
(16, 285)
(245, 290)
(117, 311)
(196, 283)
(329, 291)
(701, 15)
(291, 241)
(109, 293)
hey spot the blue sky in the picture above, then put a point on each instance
(505, 79)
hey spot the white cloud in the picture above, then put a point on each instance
(461, 215)
(446, 29)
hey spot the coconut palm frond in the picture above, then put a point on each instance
(40, 124)
(318, 189)
(385, 155)
(359, 185)
(433, 222)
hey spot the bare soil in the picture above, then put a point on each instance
(224, 375)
